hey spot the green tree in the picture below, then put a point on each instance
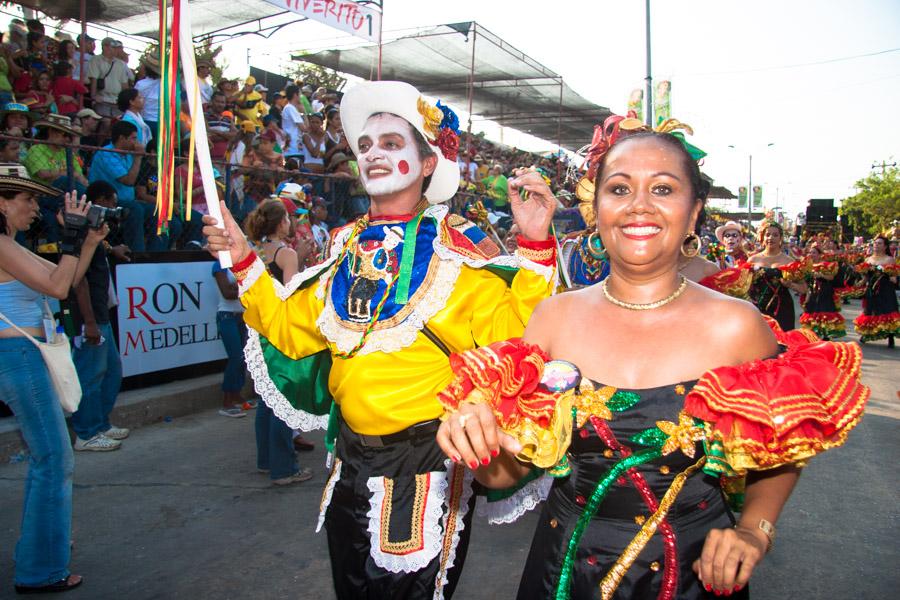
(876, 203)
(316, 76)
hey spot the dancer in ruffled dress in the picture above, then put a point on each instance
(775, 275)
(821, 312)
(880, 319)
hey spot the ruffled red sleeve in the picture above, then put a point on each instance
(782, 410)
(734, 281)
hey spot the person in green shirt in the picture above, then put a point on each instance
(46, 162)
(496, 189)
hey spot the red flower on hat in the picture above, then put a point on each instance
(448, 142)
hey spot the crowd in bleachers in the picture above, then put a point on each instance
(74, 119)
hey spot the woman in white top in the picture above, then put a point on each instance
(313, 146)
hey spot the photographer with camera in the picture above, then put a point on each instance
(96, 354)
(43, 550)
(121, 171)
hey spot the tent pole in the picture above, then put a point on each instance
(82, 48)
(649, 78)
(471, 85)
(380, 37)
(559, 132)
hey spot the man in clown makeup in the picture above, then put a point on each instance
(360, 343)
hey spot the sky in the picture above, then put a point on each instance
(818, 80)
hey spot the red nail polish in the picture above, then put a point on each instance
(485, 461)
(456, 459)
(738, 588)
(708, 587)
(726, 593)
(495, 453)
(717, 593)
(473, 465)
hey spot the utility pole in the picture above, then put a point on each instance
(648, 113)
(883, 166)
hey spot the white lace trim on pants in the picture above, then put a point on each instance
(510, 509)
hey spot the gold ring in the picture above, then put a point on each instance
(463, 419)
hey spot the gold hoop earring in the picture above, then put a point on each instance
(696, 250)
(595, 246)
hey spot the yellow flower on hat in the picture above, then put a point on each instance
(432, 115)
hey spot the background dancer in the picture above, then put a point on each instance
(880, 319)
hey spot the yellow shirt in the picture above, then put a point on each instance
(384, 392)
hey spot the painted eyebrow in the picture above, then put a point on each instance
(627, 176)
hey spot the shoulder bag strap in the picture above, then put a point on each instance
(435, 340)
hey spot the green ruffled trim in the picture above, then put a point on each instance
(503, 494)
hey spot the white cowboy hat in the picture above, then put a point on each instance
(401, 99)
(721, 229)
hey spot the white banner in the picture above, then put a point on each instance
(354, 18)
(167, 316)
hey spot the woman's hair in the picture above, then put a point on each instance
(264, 220)
(64, 49)
(61, 68)
(6, 195)
(883, 238)
(33, 37)
(699, 186)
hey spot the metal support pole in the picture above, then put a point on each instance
(471, 86)
(750, 196)
(380, 38)
(648, 113)
(82, 75)
(559, 132)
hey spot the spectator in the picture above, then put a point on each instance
(264, 165)
(240, 204)
(95, 354)
(219, 125)
(335, 140)
(89, 123)
(9, 70)
(40, 99)
(248, 103)
(317, 217)
(108, 76)
(16, 36)
(194, 185)
(43, 551)
(9, 151)
(270, 123)
(148, 86)
(204, 68)
(131, 104)
(16, 119)
(318, 100)
(121, 170)
(347, 203)
(278, 103)
(292, 122)
(50, 47)
(46, 161)
(67, 51)
(90, 46)
(305, 99)
(67, 91)
(313, 144)
(274, 443)
(233, 332)
(496, 187)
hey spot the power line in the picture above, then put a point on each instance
(793, 66)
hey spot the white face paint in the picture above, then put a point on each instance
(388, 159)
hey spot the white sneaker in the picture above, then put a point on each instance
(117, 433)
(98, 443)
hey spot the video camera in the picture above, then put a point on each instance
(98, 215)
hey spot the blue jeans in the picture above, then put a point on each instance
(274, 444)
(100, 373)
(234, 336)
(42, 553)
(132, 228)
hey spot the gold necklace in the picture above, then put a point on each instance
(648, 306)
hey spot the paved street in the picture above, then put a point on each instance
(180, 512)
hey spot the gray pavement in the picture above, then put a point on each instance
(180, 512)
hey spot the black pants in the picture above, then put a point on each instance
(389, 497)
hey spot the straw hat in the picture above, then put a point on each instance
(152, 61)
(730, 225)
(58, 122)
(14, 177)
(337, 158)
(401, 99)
